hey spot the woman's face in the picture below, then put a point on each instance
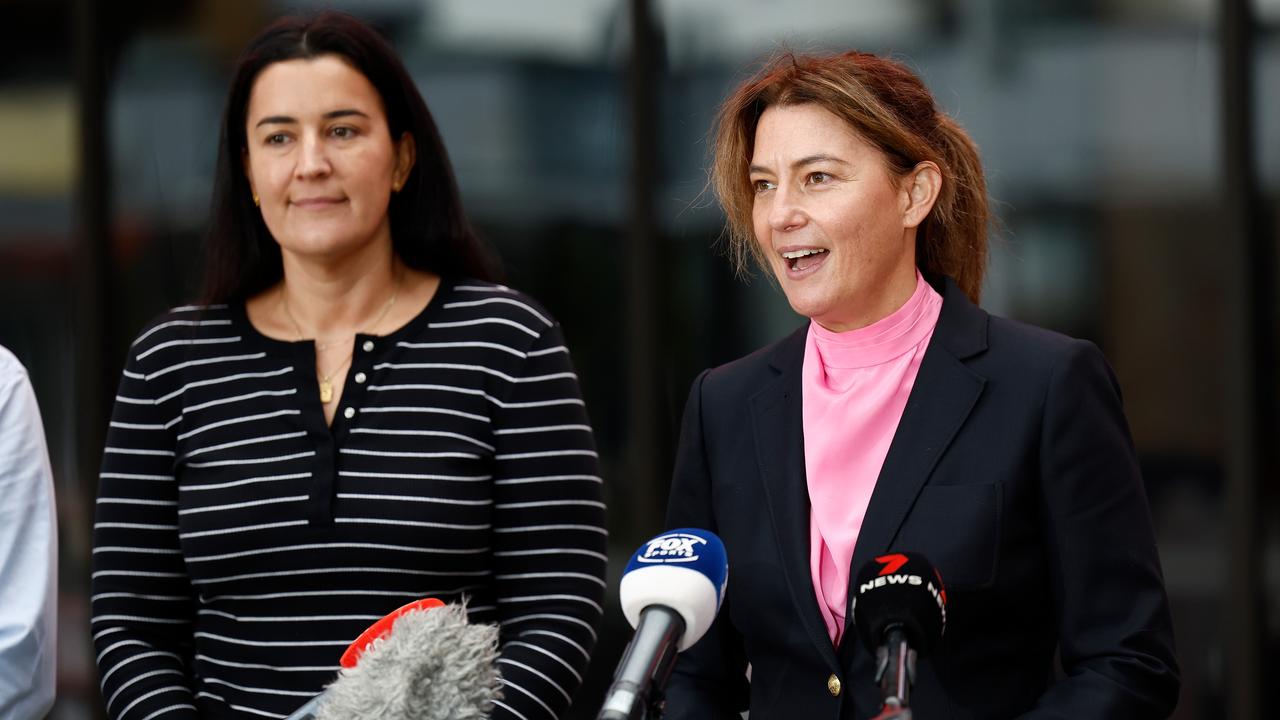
(837, 230)
(320, 157)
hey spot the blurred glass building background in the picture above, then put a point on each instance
(1132, 147)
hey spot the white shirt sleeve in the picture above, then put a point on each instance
(28, 551)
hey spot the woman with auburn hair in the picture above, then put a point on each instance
(903, 418)
(356, 417)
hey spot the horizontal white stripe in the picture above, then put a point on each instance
(549, 351)
(535, 403)
(236, 421)
(258, 690)
(241, 708)
(553, 551)
(477, 344)
(223, 379)
(272, 643)
(168, 708)
(548, 653)
(136, 501)
(502, 300)
(424, 433)
(205, 361)
(547, 478)
(136, 573)
(549, 503)
(550, 616)
(508, 683)
(545, 453)
(338, 570)
(252, 461)
(147, 696)
(187, 342)
(542, 598)
(334, 546)
(539, 673)
(541, 429)
(262, 666)
(133, 526)
(475, 368)
(238, 529)
(407, 454)
(132, 476)
(421, 409)
(508, 708)
(537, 575)
(484, 321)
(412, 498)
(136, 596)
(313, 593)
(415, 476)
(243, 443)
(238, 398)
(245, 504)
(179, 323)
(564, 638)
(136, 426)
(483, 288)
(285, 618)
(138, 451)
(246, 481)
(140, 656)
(135, 550)
(139, 619)
(410, 523)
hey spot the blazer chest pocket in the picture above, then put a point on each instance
(957, 528)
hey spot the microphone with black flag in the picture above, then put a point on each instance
(900, 611)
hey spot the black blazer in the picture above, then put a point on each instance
(1012, 470)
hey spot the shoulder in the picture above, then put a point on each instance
(173, 336)
(13, 375)
(748, 374)
(485, 299)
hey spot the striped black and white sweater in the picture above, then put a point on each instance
(240, 543)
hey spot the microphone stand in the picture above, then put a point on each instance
(636, 693)
(895, 671)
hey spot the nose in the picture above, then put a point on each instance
(785, 212)
(313, 161)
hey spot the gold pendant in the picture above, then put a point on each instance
(326, 391)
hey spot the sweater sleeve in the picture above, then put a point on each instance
(548, 534)
(142, 600)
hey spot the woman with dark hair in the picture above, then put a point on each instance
(356, 416)
(903, 418)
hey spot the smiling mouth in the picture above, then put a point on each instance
(801, 260)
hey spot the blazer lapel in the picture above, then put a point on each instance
(944, 393)
(776, 420)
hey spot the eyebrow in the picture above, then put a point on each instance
(806, 160)
(288, 120)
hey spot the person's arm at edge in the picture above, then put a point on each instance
(1114, 626)
(28, 551)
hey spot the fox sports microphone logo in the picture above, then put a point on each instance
(672, 548)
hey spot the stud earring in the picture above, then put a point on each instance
(255, 200)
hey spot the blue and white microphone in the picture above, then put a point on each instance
(670, 592)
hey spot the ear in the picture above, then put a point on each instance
(920, 189)
(406, 156)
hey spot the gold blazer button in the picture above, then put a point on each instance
(833, 684)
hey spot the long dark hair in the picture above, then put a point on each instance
(428, 228)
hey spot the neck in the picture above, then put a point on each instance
(328, 299)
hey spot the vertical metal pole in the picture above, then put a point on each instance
(95, 368)
(646, 469)
(1250, 367)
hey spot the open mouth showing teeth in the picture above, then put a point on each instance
(803, 259)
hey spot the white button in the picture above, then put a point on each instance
(368, 346)
(349, 413)
(360, 378)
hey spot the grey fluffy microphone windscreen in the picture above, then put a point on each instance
(432, 665)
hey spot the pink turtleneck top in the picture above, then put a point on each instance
(854, 387)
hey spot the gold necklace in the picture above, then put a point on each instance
(326, 386)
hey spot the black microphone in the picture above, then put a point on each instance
(900, 611)
(670, 593)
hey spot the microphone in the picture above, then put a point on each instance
(670, 592)
(900, 611)
(422, 662)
